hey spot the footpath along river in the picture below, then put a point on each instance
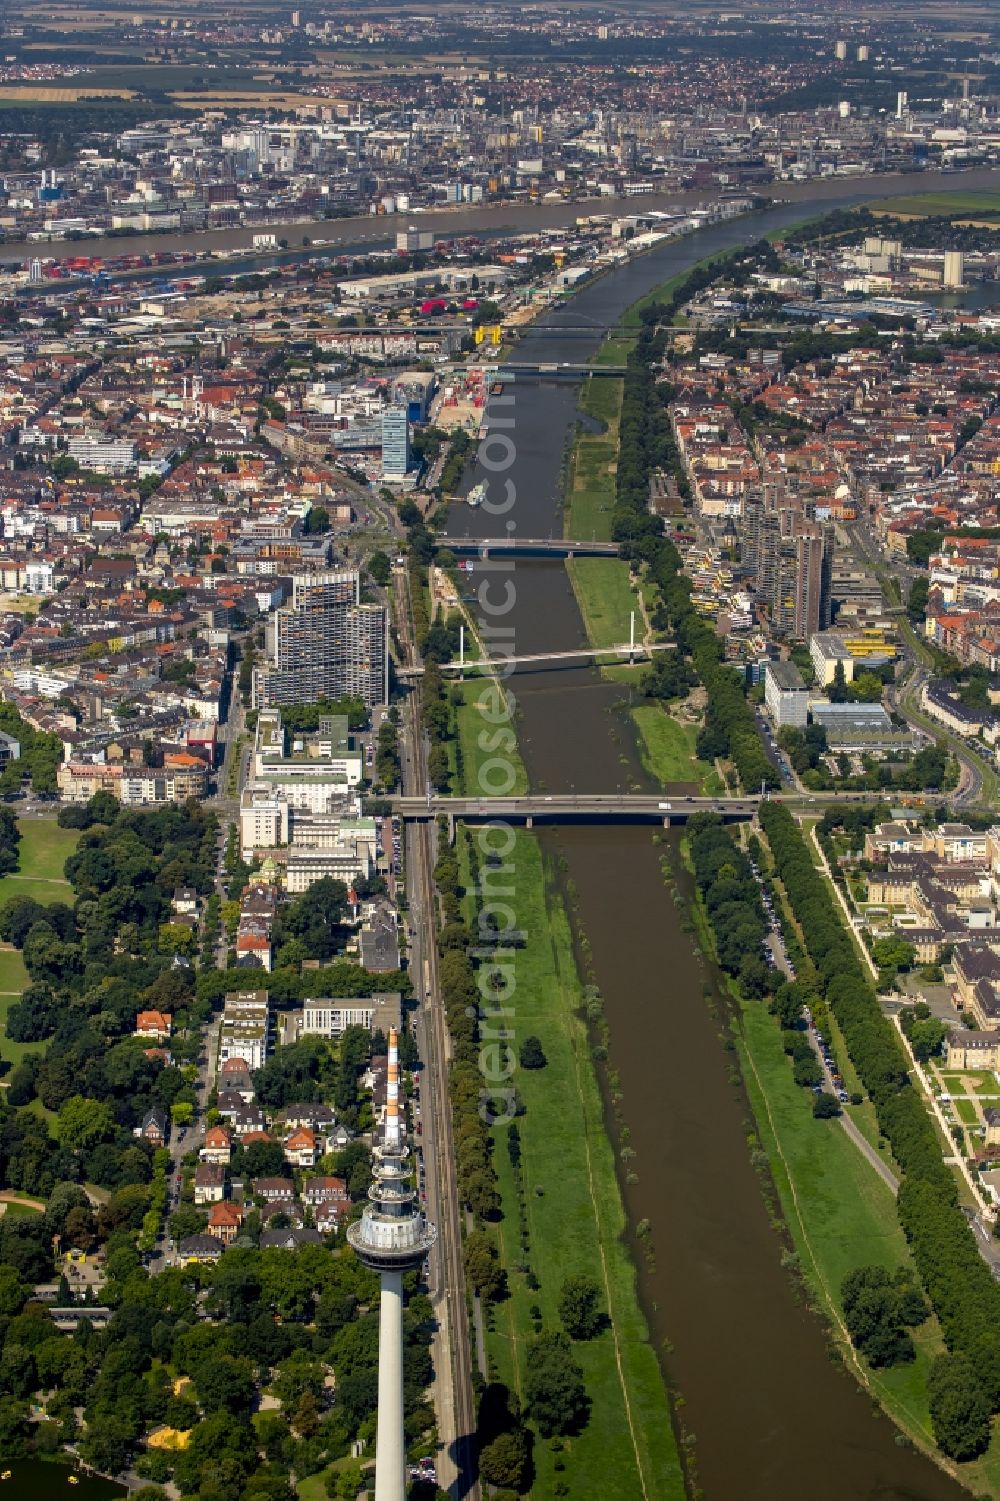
(774, 1419)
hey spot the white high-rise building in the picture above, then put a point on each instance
(391, 1237)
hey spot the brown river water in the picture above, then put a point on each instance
(774, 1418)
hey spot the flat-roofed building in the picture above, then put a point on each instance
(785, 695)
(326, 1017)
(350, 856)
(860, 727)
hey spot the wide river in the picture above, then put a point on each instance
(774, 1419)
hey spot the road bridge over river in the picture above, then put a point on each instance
(551, 547)
(562, 807)
(614, 807)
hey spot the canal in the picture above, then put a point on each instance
(773, 1417)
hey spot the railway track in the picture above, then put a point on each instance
(457, 1471)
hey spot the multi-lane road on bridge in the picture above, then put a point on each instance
(612, 807)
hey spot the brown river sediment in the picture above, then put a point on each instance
(774, 1419)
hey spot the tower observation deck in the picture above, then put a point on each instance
(391, 1237)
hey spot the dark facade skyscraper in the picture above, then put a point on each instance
(325, 644)
(792, 560)
(813, 578)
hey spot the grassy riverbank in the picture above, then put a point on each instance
(575, 1223)
(591, 493)
(573, 1207)
(605, 592)
(839, 1212)
(476, 744)
(605, 598)
(668, 749)
(632, 317)
(840, 1215)
(965, 205)
(615, 350)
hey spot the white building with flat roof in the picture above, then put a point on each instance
(350, 857)
(331, 1018)
(786, 695)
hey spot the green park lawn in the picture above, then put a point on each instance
(575, 1224)
(42, 853)
(11, 1209)
(313, 1487)
(12, 1052)
(591, 493)
(966, 1112)
(603, 591)
(605, 598)
(13, 975)
(970, 1084)
(668, 748)
(470, 726)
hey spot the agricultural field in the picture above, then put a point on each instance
(39, 93)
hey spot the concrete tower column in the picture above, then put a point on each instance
(390, 1456)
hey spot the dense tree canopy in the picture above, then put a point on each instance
(553, 1386)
